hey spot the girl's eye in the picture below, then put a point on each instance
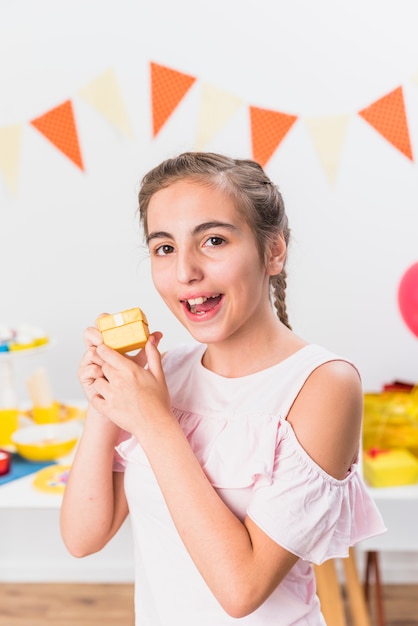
(215, 241)
(164, 250)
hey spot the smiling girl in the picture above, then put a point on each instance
(236, 456)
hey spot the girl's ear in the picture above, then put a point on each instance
(277, 255)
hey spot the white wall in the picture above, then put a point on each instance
(70, 247)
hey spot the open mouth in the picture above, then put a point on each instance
(202, 304)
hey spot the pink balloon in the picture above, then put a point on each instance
(408, 298)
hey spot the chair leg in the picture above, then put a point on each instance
(329, 593)
(356, 599)
(372, 564)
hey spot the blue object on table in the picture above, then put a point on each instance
(20, 467)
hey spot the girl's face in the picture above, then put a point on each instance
(205, 263)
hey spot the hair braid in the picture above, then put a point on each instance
(278, 290)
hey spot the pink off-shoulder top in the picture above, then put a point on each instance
(238, 431)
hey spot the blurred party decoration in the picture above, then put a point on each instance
(387, 115)
(268, 129)
(391, 419)
(328, 134)
(52, 479)
(103, 94)
(58, 126)
(168, 88)
(390, 435)
(216, 109)
(10, 145)
(408, 298)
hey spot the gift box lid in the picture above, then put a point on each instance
(106, 322)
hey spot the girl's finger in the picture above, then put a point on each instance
(92, 336)
(90, 372)
(154, 358)
(140, 358)
(101, 387)
(91, 356)
(98, 403)
(111, 356)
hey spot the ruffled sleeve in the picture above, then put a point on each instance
(307, 511)
(119, 459)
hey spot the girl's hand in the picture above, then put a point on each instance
(91, 364)
(131, 391)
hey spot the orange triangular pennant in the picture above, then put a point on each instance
(168, 88)
(268, 129)
(387, 116)
(58, 126)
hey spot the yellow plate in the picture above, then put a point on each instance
(52, 479)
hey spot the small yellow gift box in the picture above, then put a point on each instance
(390, 468)
(125, 331)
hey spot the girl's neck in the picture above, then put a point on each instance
(238, 357)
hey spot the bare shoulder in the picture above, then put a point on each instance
(327, 414)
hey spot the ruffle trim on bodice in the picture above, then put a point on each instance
(294, 501)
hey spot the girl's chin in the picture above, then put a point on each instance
(207, 335)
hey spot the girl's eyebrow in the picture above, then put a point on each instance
(158, 235)
(161, 234)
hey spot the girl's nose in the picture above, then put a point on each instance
(189, 268)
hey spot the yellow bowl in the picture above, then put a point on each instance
(46, 442)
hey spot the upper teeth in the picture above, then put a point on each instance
(200, 300)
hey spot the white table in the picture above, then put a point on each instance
(31, 548)
(399, 508)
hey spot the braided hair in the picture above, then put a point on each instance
(253, 193)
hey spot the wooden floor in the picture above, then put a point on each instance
(400, 605)
(112, 605)
(66, 605)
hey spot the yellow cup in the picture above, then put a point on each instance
(9, 423)
(46, 414)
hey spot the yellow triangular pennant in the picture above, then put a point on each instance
(328, 135)
(216, 108)
(104, 95)
(10, 143)
(414, 78)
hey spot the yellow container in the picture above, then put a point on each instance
(46, 414)
(125, 331)
(46, 442)
(390, 468)
(9, 423)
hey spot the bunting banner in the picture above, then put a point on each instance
(267, 128)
